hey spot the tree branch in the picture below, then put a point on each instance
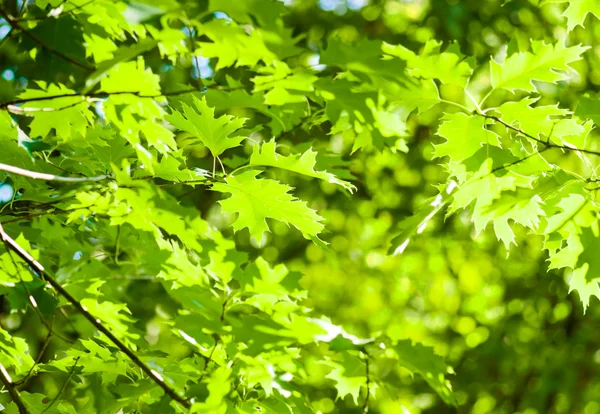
(15, 25)
(5, 105)
(50, 177)
(28, 111)
(45, 275)
(14, 394)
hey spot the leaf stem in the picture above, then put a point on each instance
(487, 95)
(464, 108)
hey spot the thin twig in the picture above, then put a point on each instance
(28, 111)
(45, 344)
(23, 5)
(29, 216)
(50, 177)
(194, 57)
(571, 217)
(45, 275)
(217, 339)
(505, 166)
(546, 144)
(32, 300)
(14, 394)
(4, 105)
(366, 403)
(63, 387)
(7, 37)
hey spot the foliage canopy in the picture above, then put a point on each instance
(296, 206)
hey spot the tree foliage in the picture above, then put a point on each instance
(267, 206)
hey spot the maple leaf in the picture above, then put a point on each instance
(589, 108)
(549, 122)
(256, 199)
(589, 255)
(200, 121)
(422, 360)
(74, 118)
(349, 376)
(464, 136)
(541, 64)
(577, 11)
(265, 155)
(231, 44)
(448, 66)
(584, 287)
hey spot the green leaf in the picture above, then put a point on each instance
(372, 122)
(465, 135)
(15, 353)
(68, 117)
(231, 44)
(423, 361)
(365, 56)
(266, 155)
(584, 287)
(537, 121)
(589, 108)
(256, 199)
(543, 64)
(349, 375)
(577, 11)
(590, 243)
(417, 223)
(113, 315)
(123, 54)
(284, 84)
(218, 388)
(449, 67)
(268, 12)
(200, 121)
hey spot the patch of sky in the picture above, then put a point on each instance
(6, 192)
(357, 4)
(201, 67)
(223, 16)
(8, 75)
(4, 29)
